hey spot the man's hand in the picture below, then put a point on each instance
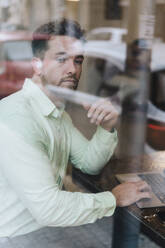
(102, 113)
(130, 192)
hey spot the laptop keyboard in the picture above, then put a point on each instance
(157, 183)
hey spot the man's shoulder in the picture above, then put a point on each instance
(17, 115)
(13, 104)
(16, 111)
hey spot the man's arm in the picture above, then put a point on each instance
(91, 156)
(29, 173)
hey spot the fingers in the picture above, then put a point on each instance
(86, 106)
(100, 117)
(108, 117)
(142, 185)
(102, 113)
(143, 190)
(142, 195)
(97, 112)
(96, 108)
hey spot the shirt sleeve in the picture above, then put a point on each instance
(91, 156)
(28, 172)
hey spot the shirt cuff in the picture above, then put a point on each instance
(112, 130)
(106, 135)
(107, 202)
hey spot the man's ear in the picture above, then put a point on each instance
(37, 65)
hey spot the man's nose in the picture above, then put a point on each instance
(71, 66)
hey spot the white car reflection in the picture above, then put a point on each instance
(114, 49)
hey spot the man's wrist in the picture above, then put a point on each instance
(111, 130)
(115, 196)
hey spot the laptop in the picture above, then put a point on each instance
(157, 182)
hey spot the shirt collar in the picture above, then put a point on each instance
(46, 106)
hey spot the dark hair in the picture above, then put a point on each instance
(59, 27)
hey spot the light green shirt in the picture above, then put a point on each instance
(36, 142)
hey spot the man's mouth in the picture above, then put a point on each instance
(70, 83)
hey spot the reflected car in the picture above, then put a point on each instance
(15, 57)
(114, 51)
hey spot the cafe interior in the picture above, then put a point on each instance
(125, 63)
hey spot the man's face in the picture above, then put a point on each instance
(62, 63)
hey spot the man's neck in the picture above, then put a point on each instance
(39, 82)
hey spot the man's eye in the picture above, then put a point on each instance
(79, 61)
(61, 60)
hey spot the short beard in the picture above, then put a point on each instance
(76, 81)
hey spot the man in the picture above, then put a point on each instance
(38, 138)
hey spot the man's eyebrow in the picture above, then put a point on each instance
(79, 57)
(61, 53)
(64, 53)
